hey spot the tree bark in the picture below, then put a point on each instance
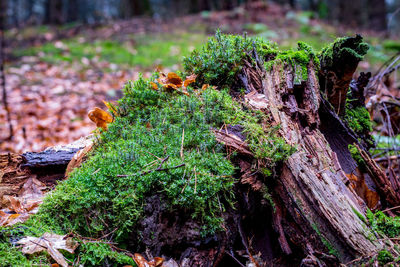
(317, 210)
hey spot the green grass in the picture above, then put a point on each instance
(144, 51)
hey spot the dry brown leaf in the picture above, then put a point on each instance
(18, 209)
(15, 205)
(51, 243)
(100, 117)
(140, 260)
(204, 87)
(79, 158)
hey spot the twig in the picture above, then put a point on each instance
(183, 189)
(233, 257)
(244, 242)
(393, 208)
(159, 169)
(387, 158)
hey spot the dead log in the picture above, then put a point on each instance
(47, 166)
(316, 209)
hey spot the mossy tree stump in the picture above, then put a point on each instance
(255, 168)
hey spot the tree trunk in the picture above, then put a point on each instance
(377, 15)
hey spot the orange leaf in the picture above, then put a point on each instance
(16, 205)
(174, 79)
(100, 117)
(205, 86)
(154, 86)
(189, 79)
(140, 260)
(157, 261)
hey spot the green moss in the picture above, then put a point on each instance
(145, 51)
(89, 254)
(11, 256)
(98, 254)
(299, 59)
(219, 61)
(358, 119)
(359, 215)
(385, 257)
(343, 50)
(331, 249)
(162, 145)
(391, 45)
(355, 154)
(385, 225)
(129, 148)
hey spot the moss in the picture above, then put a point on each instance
(344, 49)
(358, 119)
(152, 128)
(355, 154)
(110, 189)
(98, 254)
(359, 215)
(299, 59)
(391, 45)
(384, 257)
(331, 249)
(219, 61)
(384, 225)
(143, 153)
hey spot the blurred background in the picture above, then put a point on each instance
(63, 57)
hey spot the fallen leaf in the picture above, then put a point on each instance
(50, 242)
(18, 209)
(174, 79)
(142, 262)
(189, 79)
(204, 87)
(154, 85)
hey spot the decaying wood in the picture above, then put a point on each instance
(49, 158)
(312, 187)
(47, 166)
(337, 72)
(389, 188)
(12, 176)
(233, 142)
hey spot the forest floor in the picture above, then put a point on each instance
(55, 75)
